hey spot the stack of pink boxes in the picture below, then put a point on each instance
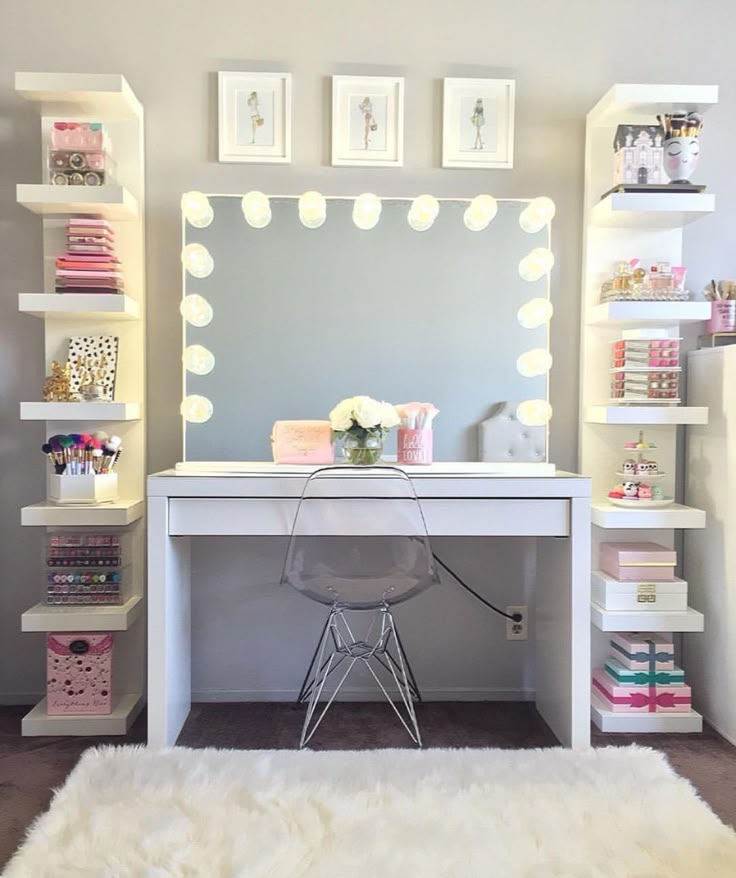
(89, 264)
(640, 674)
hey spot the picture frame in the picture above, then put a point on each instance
(254, 117)
(478, 123)
(368, 121)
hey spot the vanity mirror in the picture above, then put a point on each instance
(291, 304)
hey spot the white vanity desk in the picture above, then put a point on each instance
(457, 500)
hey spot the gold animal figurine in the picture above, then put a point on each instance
(57, 386)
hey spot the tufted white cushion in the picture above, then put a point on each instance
(502, 438)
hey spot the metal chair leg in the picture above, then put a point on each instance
(346, 648)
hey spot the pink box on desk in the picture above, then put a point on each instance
(643, 651)
(632, 562)
(670, 698)
(302, 442)
(78, 674)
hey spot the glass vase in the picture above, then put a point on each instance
(362, 450)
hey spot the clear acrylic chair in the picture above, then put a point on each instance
(359, 543)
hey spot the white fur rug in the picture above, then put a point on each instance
(616, 812)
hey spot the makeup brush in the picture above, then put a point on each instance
(97, 460)
(51, 454)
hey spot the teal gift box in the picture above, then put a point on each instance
(627, 677)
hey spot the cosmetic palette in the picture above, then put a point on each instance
(632, 386)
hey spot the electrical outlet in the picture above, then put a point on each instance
(517, 630)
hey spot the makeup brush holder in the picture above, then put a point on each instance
(413, 446)
(88, 490)
(722, 316)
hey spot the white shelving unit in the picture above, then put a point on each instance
(105, 98)
(618, 227)
(646, 620)
(80, 306)
(125, 708)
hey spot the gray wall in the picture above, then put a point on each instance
(563, 55)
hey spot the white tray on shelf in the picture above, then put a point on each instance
(626, 503)
(630, 477)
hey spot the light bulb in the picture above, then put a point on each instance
(366, 211)
(256, 209)
(196, 209)
(197, 260)
(534, 412)
(479, 213)
(312, 209)
(198, 359)
(534, 363)
(535, 313)
(537, 214)
(196, 409)
(196, 310)
(423, 212)
(536, 264)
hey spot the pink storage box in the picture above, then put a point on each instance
(302, 442)
(643, 651)
(632, 562)
(79, 674)
(669, 698)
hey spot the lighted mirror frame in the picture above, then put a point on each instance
(312, 208)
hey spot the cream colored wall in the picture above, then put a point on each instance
(563, 55)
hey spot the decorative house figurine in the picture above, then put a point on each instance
(638, 155)
(57, 386)
(681, 145)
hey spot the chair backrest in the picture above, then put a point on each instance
(359, 539)
(503, 438)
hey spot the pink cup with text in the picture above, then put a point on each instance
(413, 446)
(722, 316)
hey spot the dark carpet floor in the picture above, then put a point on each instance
(30, 768)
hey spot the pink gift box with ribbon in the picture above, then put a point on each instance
(670, 698)
(646, 651)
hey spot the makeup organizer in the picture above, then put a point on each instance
(631, 386)
(93, 401)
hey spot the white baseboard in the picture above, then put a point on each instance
(213, 696)
(20, 699)
(209, 696)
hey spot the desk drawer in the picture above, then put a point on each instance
(240, 516)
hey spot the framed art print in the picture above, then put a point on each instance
(478, 123)
(368, 121)
(94, 364)
(254, 117)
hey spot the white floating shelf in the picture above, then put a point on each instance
(110, 202)
(100, 96)
(646, 414)
(125, 709)
(79, 306)
(80, 411)
(644, 723)
(645, 620)
(649, 313)
(625, 101)
(118, 514)
(651, 210)
(669, 517)
(43, 617)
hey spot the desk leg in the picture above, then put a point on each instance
(563, 630)
(169, 628)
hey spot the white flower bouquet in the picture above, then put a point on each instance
(362, 423)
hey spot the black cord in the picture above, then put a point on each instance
(515, 617)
